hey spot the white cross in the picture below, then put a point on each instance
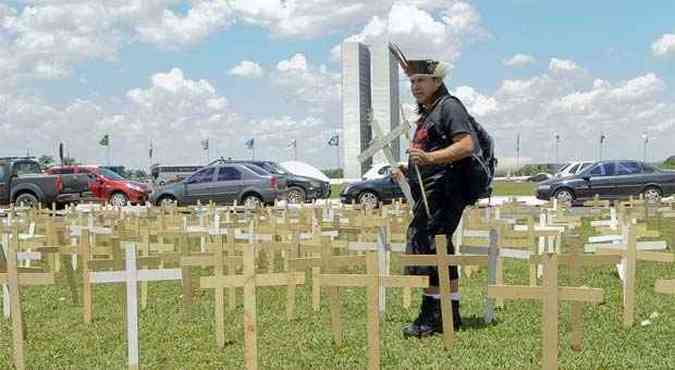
(383, 143)
(131, 277)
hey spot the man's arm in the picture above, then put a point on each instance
(462, 147)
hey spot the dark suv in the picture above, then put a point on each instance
(300, 188)
(610, 180)
(224, 183)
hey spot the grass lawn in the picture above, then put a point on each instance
(57, 338)
(501, 188)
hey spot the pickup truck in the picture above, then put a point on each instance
(22, 183)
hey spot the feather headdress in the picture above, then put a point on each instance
(427, 67)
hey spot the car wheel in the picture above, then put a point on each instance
(27, 200)
(564, 196)
(369, 199)
(118, 199)
(295, 195)
(252, 201)
(166, 201)
(652, 194)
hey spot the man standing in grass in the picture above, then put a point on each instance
(441, 147)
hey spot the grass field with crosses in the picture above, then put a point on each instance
(173, 338)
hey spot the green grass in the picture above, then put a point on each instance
(173, 338)
(501, 188)
(336, 189)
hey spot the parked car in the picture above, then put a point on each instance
(224, 184)
(541, 176)
(108, 186)
(300, 189)
(378, 171)
(371, 192)
(23, 183)
(573, 168)
(610, 180)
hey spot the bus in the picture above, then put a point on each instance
(162, 175)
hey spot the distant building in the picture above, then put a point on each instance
(356, 104)
(369, 84)
(385, 95)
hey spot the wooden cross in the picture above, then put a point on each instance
(383, 143)
(551, 294)
(630, 255)
(219, 261)
(372, 282)
(384, 248)
(131, 276)
(575, 261)
(442, 261)
(322, 259)
(250, 281)
(14, 279)
(665, 286)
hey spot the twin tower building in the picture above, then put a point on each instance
(370, 85)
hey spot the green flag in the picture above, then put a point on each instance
(105, 140)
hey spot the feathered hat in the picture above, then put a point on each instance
(427, 67)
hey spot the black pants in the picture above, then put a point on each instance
(446, 211)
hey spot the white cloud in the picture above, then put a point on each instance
(580, 111)
(562, 66)
(315, 87)
(421, 34)
(475, 102)
(247, 69)
(519, 60)
(664, 46)
(172, 30)
(297, 63)
(46, 39)
(175, 111)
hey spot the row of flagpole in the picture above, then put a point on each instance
(250, 145)
(601, 151)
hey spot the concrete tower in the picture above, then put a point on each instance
(356, 104)
(385, 95)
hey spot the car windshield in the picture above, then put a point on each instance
(584, 167)
(274, 168)
(112, 175)
(564, 167)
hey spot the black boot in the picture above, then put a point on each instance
(456, 317)
(428, 321)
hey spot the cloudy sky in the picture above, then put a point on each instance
(178, 72)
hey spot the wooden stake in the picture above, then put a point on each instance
(665, 286)
(551, 294)
(15, 301)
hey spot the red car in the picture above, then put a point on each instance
(109, 186)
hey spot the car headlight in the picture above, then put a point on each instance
(347, 189)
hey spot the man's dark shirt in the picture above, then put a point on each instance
(435, 130)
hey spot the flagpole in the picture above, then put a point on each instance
(337, 153)
(518, 152)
